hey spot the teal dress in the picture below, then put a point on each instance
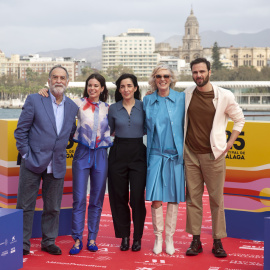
(165, 171)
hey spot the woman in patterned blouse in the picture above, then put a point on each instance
(90, 159)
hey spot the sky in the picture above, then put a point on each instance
(30, 26)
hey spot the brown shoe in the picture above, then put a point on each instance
(218, 250)
(195, 248)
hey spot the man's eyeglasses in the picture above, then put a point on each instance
(162, 76)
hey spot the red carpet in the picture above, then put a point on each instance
(242, 254)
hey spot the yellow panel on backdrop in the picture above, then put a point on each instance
(251, 148)
(8, 150)
(9, 170)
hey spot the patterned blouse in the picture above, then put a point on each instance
(92, 128)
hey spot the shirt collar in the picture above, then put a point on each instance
(119, 105)
(54, 99)
(171, 96)
(137, 104)
(92, 102)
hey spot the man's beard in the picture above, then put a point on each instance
(204, 82)
(58, 89)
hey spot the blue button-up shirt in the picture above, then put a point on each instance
(125, 125)
(58, 110)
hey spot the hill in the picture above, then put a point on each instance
(260, 39)
(92, 54)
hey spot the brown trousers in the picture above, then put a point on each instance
(200, 169)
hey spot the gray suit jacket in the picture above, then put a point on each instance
(36, 134)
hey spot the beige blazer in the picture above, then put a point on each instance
(226, 107)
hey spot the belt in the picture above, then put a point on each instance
(168, 158)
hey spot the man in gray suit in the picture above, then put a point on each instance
(42, 134)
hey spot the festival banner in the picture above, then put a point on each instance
(247, 185)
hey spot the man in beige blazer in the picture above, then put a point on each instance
(208, 108)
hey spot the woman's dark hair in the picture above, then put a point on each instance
(133, 78)
(104, 95)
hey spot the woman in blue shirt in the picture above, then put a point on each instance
(164, 111)
(127, 162)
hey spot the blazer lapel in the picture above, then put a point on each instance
(66, 111)
(47, 102)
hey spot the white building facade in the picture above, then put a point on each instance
(17, 66)
(176, 64)
(134, 49)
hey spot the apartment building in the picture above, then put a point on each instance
(134, 49)
(17, 66)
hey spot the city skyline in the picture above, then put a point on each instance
(32, 26)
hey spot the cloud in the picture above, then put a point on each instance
(29, 26)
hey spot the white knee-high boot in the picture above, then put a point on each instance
(158, 225)
(170, 225)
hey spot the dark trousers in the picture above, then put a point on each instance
(127, 168)
(52, 191)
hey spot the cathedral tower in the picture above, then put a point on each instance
(192, 48)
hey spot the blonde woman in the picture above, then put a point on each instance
(164, 111)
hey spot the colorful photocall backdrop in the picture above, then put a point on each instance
(247, 186)
(246, 192)
(9, 179)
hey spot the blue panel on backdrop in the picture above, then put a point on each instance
(267, 243)
(245, 225)
(11, 239)
(64, 223)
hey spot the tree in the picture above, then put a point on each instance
(31, 75)
(87, 71)
(265, 73)
(184, 77)
(216, 65)
(223, 75)
(115, 71)
(245, 73)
